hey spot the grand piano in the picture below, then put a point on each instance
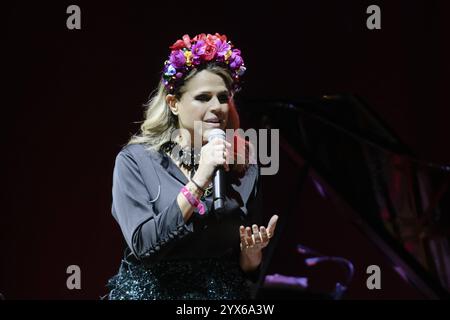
(351, 197)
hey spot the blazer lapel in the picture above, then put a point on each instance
(169, 166)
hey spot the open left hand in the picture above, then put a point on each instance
(256, 238)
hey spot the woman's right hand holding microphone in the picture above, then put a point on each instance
(213, 154)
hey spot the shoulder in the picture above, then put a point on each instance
(136, 155)
(136, 150)
(133, 149)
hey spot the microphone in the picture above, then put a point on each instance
(219, 175)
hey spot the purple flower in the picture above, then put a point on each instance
(177, 58)
(236, 59)
(222, 47)
(198, 49)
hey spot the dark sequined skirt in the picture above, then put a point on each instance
(207, 279)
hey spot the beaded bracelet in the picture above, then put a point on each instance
(196, 184)
(193, 200)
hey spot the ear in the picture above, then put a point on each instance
(172, 102)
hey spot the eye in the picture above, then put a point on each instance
(223, 98)
(203, 97)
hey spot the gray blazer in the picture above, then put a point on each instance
(145, 187)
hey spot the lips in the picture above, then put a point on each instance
(213, 120)
(214, 123)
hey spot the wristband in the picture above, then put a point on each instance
(193, 200)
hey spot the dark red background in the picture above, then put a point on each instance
(74, 97)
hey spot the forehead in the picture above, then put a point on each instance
(205, 81)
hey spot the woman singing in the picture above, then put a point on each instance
(177, 245)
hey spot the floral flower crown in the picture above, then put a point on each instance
(188, 54)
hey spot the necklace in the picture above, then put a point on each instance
(188, 158)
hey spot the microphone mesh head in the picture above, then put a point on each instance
(216, 133)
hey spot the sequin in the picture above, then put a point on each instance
(206, 279)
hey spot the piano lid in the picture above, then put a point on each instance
(401, 204)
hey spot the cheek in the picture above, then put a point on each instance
(226, 112)
(192, 112)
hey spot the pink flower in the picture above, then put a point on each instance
(222, 37)
(187, 41)
(199, 37)
(210, 39)
(178, 45)
(210, 52)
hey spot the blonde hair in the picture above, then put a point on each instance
(160, 122)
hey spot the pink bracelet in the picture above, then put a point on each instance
(193, 200)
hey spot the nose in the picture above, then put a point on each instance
(214, 103)
(215, 107)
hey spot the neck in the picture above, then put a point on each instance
(186, 139)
